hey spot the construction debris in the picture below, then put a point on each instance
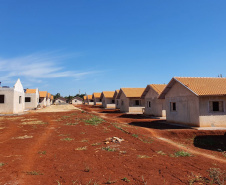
(113, 139)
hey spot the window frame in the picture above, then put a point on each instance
(172, 107)
(3, 98)
(27, 98)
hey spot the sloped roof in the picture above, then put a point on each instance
(158, 88)
(108, 94)
(96, 95)
(32, 91)
(133, 92)
(200, 86)
(115, 94)
(77, 98)
(85, 97)
(51, 97)
(43, 94)
(89, 97)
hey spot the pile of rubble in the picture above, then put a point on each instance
(113, 140)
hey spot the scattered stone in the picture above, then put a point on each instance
(113, 140)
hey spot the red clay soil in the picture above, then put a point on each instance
(63, 148)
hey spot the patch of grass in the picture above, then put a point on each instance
(122, 152)
(71, 124)
(217, 176)
(143, 156)
(123, 130)
(199, 179)
(147, 140)
(224, 153)
(58, 182)
(42, 152)
(135, 135)
(81, 148)
(34, 123)
(125, 179)
(96, 144)
(34, 173)
(109, 149)
(2, 164)
(111, 182)
(23, 137)
(84, 140)
(67, 139)
(65, 117)
(182, 154)
(143, 181)
(82, 133)
(160, 152)
(94, 120)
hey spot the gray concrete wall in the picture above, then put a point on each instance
(124, 103)
(7, 106)
(107, 103)
(187, 106)
(97, 101)
(18, 106)
(42, 102)
(117, 103)
(158, 106)
(210, 118)
(34, 101)
(76, 102)
(59, 101)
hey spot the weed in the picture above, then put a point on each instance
(135, 135)
(182, 154)
(224, 153)
(58, 182)
(217, 176)
(42, 152)
(125, 179)
(197, 178)
(84, 140)
(71, 124)
(96, 144)
(65, 117)
(34, 173)
(67, 139)
(94, 120)
(145, 182)
(82, 133)
(83, 111)
(143, 156)
(160, 152)
(2, 164)
(109, 149)
(125, 131)
(122, 152)
(111, 182)
(147, 140)
(34, 123)
(81, 148)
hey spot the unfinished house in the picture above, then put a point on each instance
(116, 100)
(108, 100)
(12, 99)
(31, 98)
(60, 101)
(153, 105)
(130, 100)
(51, 100)
(85, 99)
(43, 95)
(77, 101)
(96, 99)
(90, 100)
(198, 102)
(48, 99)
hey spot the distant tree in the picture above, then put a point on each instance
(56, 96)
(80, 95)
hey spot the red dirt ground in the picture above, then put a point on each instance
(147, 156)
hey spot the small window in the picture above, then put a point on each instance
(27, 99)
(39, 100)
(216, 106)
(149, 104)
(137, 102)
(19, 99)
(100, 99)
(113, 101)
(173, 106)
(122, 102)
(2, 98)
(117, 102)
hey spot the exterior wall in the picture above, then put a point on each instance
(107, 103)
(91, 103)
(59, 101)
(76, 102)
(34, 101)
(18, 106)
(117, 103)
(209, 118)
(133, 108)
(7, 106)
(158, 106)
(42, 102)
(125, 106)
(97, 101)
(48, 102)
(187, 106)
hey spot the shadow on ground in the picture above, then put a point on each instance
(211, 142)
(135, 116)
(111, 111)
(158, 124)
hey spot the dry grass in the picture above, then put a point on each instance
(23, 137)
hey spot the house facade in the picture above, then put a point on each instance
(48, 99)
(153, 105)
(31, 98)
(117, 103)
(12, 99)
(43, 98)
(108, 100)
(199, 102)
(60, 101)
(130, 100)
(96, 98)
(90, 100)
(77, 101)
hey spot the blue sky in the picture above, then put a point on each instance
(100, 45)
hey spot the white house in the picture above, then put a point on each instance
(31, 98)
(130, 100)
(43, 95)
(77, 101)
(48, 99)
(107, 99)
(199, 102)
(60, 101)
(12, 99)
(153, 105)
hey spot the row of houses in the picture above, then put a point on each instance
(192, 101)
(17, 99)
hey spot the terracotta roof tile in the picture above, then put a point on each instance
(43, 94)
(158, 87)
(133, 92)
(33, 91)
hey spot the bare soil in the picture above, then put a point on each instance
(64, 148)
